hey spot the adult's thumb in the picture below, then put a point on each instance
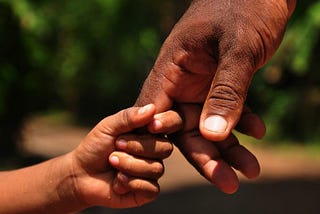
(224, 103)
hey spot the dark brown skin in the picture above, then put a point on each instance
(210, 58)
(215, 161)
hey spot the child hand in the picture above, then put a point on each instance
(94, 176)
(138, 158)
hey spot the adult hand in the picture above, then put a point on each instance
(216, 161)
(211, 56)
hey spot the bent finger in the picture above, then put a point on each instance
(143, 190)
(146, 145)
(167, 122)
(239, 157)
(138, 167)
(205, 157)
(251, 124)
(126, 120)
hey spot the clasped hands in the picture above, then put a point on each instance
(200, 78)
(197, 90)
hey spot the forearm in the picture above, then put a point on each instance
(42, 188)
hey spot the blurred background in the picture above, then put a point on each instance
(64, 65)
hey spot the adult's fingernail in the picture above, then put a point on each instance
(122, 177)
(215, 124)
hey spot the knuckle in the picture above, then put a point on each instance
(134, 147)
(126, 119)
(153, 191)
(128, 163)
(225, 97)
(166, 149)
(146, 193)
(247, 52)
(158, 169)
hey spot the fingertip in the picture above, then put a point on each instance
(121, 144)
(215, 128)
(166, 123)
(222, 175)
(155, 126)
(251, 167)
(147, 109)
(119, 187)
(260, 128)
(253, 171)
(231, 189)
(126, 120)
(114, 160)
(123, 178)
(243, 160)
(216, 124)
(252, 125)
(229, 183)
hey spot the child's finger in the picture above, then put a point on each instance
(118, 187)
(145, 145)
(166, 123)
(143, 190)
(126, 120)
(100, 140)
(138, 167)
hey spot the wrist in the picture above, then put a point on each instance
(64, 176)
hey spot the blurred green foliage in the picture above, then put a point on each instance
(91, 57)
(88, 57)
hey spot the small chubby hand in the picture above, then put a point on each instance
(116, 167)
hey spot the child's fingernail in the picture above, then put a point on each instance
(123, 178)
(215, 124)
(121, 143)
(114, 160)
(157, 124)
(145, 108)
